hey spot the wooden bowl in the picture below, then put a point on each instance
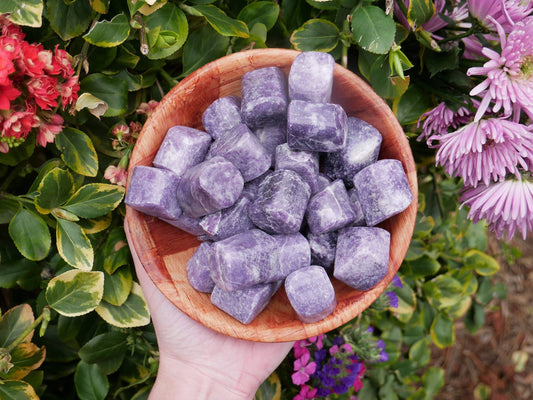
(164, 249)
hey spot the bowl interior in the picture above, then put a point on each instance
(164, 250)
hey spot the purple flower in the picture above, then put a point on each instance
(393, 299)
(383, 356)
(486, 150)
(303, 369)
(503, 12)
(507, 206)
(440, 119)
(396, 281)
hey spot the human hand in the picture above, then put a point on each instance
(197, 362)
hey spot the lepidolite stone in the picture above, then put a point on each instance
(293, 253)
(186, 224)
(311, 293)
(244, 260)
(264, 97)
(362, 257)
(153, 192)
(363, 143)
(271, 136)
(209, 186)
(323, 249)
(316, 126)
(245, 304)
(329, 209)
(280, 202)
(305, 163)
(356, 207)
(322, 181)
(229, 221)
(199, 269)
(240, 146)
(182, 148)
(383, 190)
(311, 77)
(222, 115)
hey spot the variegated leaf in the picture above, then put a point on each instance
(73, 245)
(133, 312)
(94, 200)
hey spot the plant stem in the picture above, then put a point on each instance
(457, 37)
(171, 81)
(26, 332)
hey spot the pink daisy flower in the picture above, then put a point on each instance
(440, 119)
(499, 12)
(486, 150)
(507, 206)
(509, 82)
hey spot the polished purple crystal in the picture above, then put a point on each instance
(362, 258)
(305, 163)
(186, 224)
(316, 126)
(199, 269)
(280, 202)
(311, 293)
(329, 209)
(240, 146)
(323, 249)
(271, 136)
(264, 97)
(293, 253)
(182, 148)
(222, 115)
(153, 191)
(363, 143)
(383, 190)
(356, 207)
(311, 77)
(322, 181)
(245, 304)
(209, 186)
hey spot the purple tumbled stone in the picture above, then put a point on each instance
(245, 304)
(244, 260)
(323, 181)
(222, 115)
(182, 148)
(329, 209)
(153, 191)
(356, 207)
(240, 146)
(293, 253)
(199, 269)
(363, 143)
(229, 221)
(323, 249)
(209, 186)
(362, 257)
(316, 126)
(383, 190)
(186, 224)
(264, 97)
(305, 163)
(271, 136)
(311, 293)
(280, 202)
(311, 77)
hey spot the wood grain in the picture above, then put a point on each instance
(164, 249)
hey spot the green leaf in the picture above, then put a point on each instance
(474, 318)
(117, 287)
(25, 358)
(441, 61)
(482, 263)
(73, 245)
(262, 12)
(223, 24)
(23, 12)
(94, 200)
(100, 6)
(113, 91)
(442, 331)
(13, 324)
(132, 313)
(269, 389)
(91, 226)
(104, 346)
(411, 105)
(77, 151)
(55, 188)
(420, 11)
(324, 4)
(421, 267)
(419, 352)
(69, 19)
(20, 153)
(204, 45)
(387, 86)
(443, 291)
(109, 33)
(17, 390)
(433, 380)
(30, 234)
(17, 272)
(116, 250)
(372, 29)
(171, 19)
(316, 35)
(75, 293)
(8, 209)
(91, 383)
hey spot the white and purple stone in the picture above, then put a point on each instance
(316, 126)
(323, 181)
(311, 293)
(244, 304)
(311, 77)
(186, 224)
(305, 163)
(222, 115)
(199, 269)
(323, 248)
(356, 207)
(363, 143)
(243, 260)
(153, 191)
(264, 97)
(293, 253)
(209, 186)
(330, 209)
(240, 146)
(271, 136)
(383, 190)
(280, 202)
(362, 257)
(182, 148)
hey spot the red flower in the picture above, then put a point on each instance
(48, 60)
(62, 61)
(116, 174)
(7, 94)
(43, 89)
(69, 91)
(19, 124)
(29, 62)
(10, 29)
(48, 130)
(6, 66)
